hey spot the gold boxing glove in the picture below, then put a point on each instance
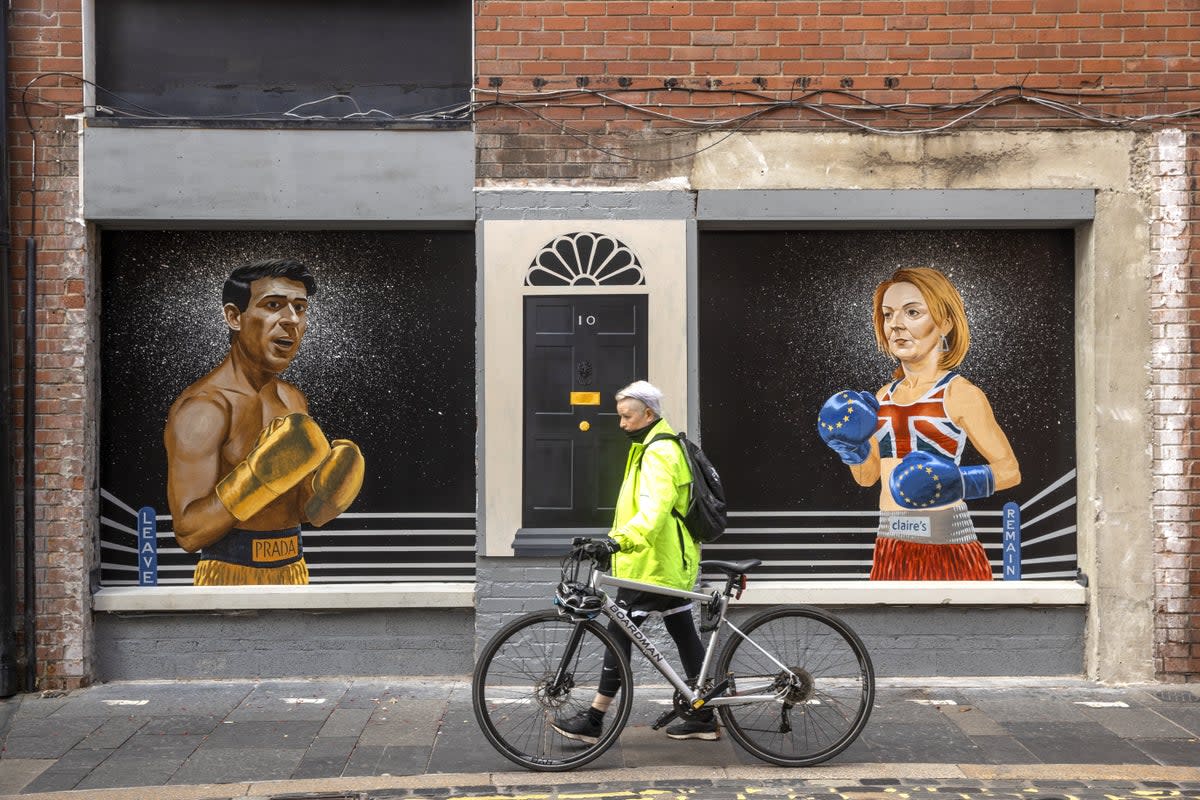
(336, 482)
(287, 449)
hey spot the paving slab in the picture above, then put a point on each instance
(280, 734)
(326, 757)
(921, 742)
(1075, 743)
(308, 700)
(181, 724)
(41, 737)
(112, 733)
(1186, 716)
(413, 722)
(1137, 723)
(243, 764)
(971, 720)
(56, 780)
(43, 705)
(155, 699)
(17, 773)
(1176, 752)
(645, 747)
(461, 746)
(389, 760)
(1003, 749)
(345, 722)
(1015, 706)
(68, 771)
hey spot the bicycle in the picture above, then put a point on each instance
(793, 685)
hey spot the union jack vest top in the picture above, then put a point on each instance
(920, 425)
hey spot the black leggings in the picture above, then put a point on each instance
(682, 629)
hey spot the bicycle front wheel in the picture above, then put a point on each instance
(541, 669)
(818, 675)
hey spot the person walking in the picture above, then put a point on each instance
(649, 543)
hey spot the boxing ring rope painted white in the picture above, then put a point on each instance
(801, 539)
(406, 555)
(413, 553)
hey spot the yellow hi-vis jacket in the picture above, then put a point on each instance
(655, 545)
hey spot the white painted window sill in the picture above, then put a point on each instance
(915, 593)
(462, 595)
(308, 598)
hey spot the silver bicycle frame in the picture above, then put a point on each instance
(613, 611)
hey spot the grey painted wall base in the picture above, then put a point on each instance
(904, 641)
(284, 644)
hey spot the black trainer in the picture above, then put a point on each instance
(696, 729)
(581, 727)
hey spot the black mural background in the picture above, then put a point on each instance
(388, 360)
(785, 321)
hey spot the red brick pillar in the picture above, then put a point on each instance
(45, 36)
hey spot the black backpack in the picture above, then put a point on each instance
(706, 517)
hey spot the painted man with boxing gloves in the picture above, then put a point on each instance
(246, 465)
(910, 435)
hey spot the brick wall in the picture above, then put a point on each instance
(46, 36)
(712, 54)
(543, 66)
(1176, 366)
(725, 57)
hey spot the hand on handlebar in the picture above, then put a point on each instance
(600, 548)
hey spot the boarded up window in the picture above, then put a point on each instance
(199, 58)
(786, 321)
(387, 361)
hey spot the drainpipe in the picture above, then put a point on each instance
(8, 529)
(29, 543)
(29, 423)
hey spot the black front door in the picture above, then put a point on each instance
(579, 351)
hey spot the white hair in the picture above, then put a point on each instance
(645, 392)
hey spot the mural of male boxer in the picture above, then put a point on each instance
(910, 435)
(246, 465)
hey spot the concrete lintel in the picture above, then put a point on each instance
(940, 208)
(306, 598)
(551, 204)
(204, 177)
(916, 593)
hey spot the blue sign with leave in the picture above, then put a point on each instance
(147, 544)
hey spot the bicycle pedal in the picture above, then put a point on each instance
(666, 717)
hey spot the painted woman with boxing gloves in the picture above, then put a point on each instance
(910, 435)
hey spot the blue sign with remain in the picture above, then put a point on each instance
(1011, 542)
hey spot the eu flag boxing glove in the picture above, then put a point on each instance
(924, 479)
(335, 483)
(847, 422)
(287, 449)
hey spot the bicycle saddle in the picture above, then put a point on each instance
(732, 567)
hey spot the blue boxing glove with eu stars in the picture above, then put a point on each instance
(847, 422)
(922, 480)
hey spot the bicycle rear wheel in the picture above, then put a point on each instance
(820, 675)
(540, 668)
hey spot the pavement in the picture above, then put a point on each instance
(374, 737)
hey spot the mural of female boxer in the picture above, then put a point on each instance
(246, 464)
(910, 435)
